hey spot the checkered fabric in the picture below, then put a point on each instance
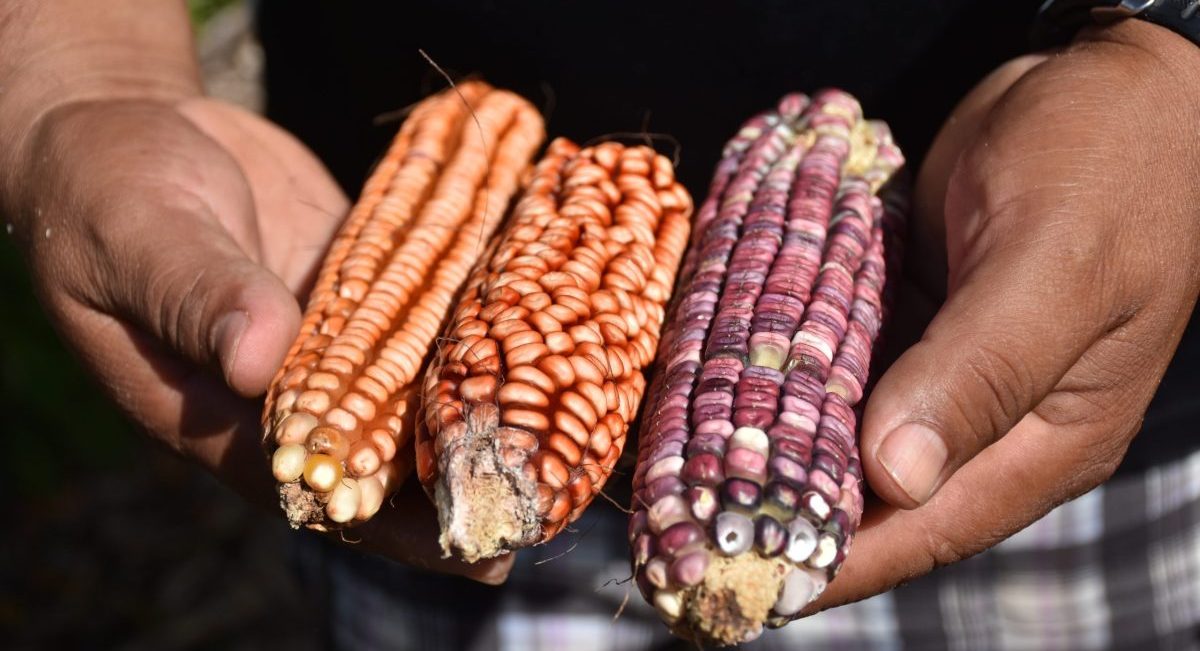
(1118, 568)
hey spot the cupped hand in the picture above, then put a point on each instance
(1061, 202)
(170, 242)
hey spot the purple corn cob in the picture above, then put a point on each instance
(747, 489)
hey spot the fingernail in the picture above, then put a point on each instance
(914, 456)
(228, 334)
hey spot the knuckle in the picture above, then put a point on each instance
(942, 550)
(176, 299)
(993, 388)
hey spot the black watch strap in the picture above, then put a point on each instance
(1058, 20)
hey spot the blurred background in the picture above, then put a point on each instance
(111, 542)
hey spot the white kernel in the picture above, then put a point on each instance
(825, 553)
(344, 501)
(287, 464)
(797, 592)
(668, 604)
(372, 498)
(750, 438)
(802, 540)
(294, 428)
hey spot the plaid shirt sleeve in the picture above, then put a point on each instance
(1118, 568)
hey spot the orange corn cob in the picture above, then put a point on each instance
(339, 413)
(529, 398)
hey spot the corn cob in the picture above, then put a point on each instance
(341, 410)
(541, 372)
(747, 485)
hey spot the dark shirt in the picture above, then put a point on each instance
(694, 70)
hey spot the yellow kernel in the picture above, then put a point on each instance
(322, 473)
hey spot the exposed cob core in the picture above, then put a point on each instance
(542, 369)
(340, 413)
(747, 486)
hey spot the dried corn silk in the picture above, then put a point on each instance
(747, 488)
(529, 399)
(340, 414)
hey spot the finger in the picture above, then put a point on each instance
(193, 288)
(169, 239)
(1025, 307)
(1007, 486)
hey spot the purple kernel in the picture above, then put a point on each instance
(783, 468)
(770, 536)
(664, 467)
(688, 570)
(644, 549)
(799, 451)
(679, 536)
(720, 427)
(704, 468)
(838, 524)
(665, 448)
(783, 497)
(741, 494)
(637, 524)
(706, 443)
(753, 417)
(745, 463)
(662, 487)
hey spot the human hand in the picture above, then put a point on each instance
(1058, 209)
(169, 240)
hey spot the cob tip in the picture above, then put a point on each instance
(738, 594)
(485, 505)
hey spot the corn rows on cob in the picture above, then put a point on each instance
(541, 371)
(340, 413)
(747, 486)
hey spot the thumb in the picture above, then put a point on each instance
(161, 235)
(190, 286)
(173, 232)
(1020, 316)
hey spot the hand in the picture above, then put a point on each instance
(169, 242)
(1062, 198)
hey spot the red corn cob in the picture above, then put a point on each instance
(338, 419)
(747, 486)
(541, 371)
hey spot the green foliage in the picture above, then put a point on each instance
(203, 10)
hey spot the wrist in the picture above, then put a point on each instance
(1148, 49)
(59, 53)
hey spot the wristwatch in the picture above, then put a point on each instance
(1058, 20)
